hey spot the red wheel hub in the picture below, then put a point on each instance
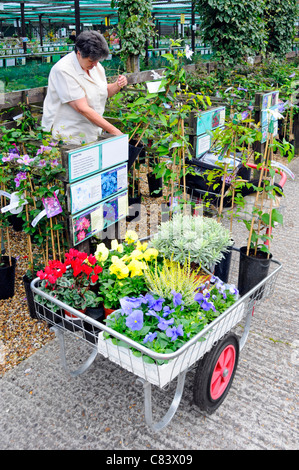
(222, 372)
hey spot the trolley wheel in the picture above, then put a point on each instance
(215, 373)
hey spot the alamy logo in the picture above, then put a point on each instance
(2, 353)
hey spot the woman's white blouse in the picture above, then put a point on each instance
(69, 82)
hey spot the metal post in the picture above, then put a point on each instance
(77, 16)
(23, 29)
(40, 29)
(192, 26)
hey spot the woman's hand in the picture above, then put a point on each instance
(122, 81)
(115, 87)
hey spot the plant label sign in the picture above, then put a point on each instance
(203, 144)
(210, 120)
(88, 160)
(88, 192)
(269, 114)
(96, 219)
(52, 206)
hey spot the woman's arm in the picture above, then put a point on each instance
(82, 107)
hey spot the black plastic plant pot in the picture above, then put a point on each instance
(7, 277)
(155, 185)
(29, 296)
(134, 209)
(252, 270)
(91, 332)
(223, 267)
(16, 222)
(134, 151)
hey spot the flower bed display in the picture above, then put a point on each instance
(164, 326)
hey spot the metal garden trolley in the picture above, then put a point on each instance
(214, 351)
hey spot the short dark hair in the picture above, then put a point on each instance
(92, 44)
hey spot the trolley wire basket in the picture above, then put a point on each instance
(161, 368)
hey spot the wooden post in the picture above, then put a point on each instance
(40, 29)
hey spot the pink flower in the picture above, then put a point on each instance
(81, 235)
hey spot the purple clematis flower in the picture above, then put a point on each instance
(134, 321)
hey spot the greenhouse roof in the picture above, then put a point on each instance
(91, 11)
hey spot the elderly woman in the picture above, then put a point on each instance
(77, 93)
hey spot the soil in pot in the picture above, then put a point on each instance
(252, 270)
(7, 277)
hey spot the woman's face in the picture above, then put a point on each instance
(86, 63)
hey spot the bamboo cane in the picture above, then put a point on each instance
(257, 194)
(8, 245)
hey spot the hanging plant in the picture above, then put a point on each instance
(135, 27)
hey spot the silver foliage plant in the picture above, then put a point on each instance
(203, 239)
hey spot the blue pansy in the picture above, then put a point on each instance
(134, 321)
(174, 332)
(150, 337)
(129, 303)
(164, 324)
(177, 298)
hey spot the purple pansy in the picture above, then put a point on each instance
(150, 337)
(174, 332)
(134, 321)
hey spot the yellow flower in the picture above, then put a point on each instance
(119, 269)
(136, 268)
(150, 254)
(131, 236)
(101, 253)
(120, 248)
(136, 254)
(141, 246)
(114, 245)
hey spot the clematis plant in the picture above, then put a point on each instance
(164, 325)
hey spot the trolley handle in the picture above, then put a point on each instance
(277, 170)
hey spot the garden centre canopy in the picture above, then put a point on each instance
(75, 12)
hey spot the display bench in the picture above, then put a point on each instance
(96, 186)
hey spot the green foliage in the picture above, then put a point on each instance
(135, 25)
(202, 239)
(234, 29)
(280, 16)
